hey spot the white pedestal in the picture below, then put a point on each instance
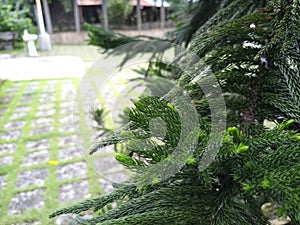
(30, 45)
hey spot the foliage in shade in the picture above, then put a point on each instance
(106, 39)
(118, 11)
(15, 16)
(255, 164)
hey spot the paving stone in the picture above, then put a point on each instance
(52, 82)
(46, 106)
(38, 144)
(51, 92)
(10, 135)
(69, 119)
(18, 84)
(14, 125)
(48, 98)
(36, 158)
(2, 111)
(18, 115)
(107, 165)
(6, 99)
(29, 96)
(2, 182)
(67, 82)
(68, 219)
(66, 128)
(8, 148)
(72, 170)
(12, 90)
(49, 89)
(64, 111)
(24, 109)
(108, 149)
(95, 135)
(73, 191)
(30, 91)
(31, 87)
(68, 96)
(68, 87)
(68, 90)
(68, 153)
(25, 201)
(41, 130)
(45, 113)
(45, 95)
(50, 86)
(119, 177)
(77, 109)
(67, 105)
(42, 121)
(106, 186)
(27, 100)
(67, 140)
(33, 84)
(31, 177)
(28, 223)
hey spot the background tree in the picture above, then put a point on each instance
(118, 11)
(16, 16)
(138, 14)
(105, 14)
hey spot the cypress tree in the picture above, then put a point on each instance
(253, 49)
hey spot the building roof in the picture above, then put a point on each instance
(157, 3)
(88, 2)
(144, 3)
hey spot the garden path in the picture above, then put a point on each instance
(41, 163)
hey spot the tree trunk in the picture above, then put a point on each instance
(105, 15)
(139, 14)
(162, 15)
(40, 17)
(76, 16)
(48, 20)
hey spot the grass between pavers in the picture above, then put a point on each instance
(51, 185)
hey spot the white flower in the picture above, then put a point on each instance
(252, 25)
(251, 44)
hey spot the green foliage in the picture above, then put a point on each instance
(99, 116)
(67, 4)
(255, 164)
(14, 18)
(106, 39)
(118, 11)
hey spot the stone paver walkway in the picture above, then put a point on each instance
(41, 165)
